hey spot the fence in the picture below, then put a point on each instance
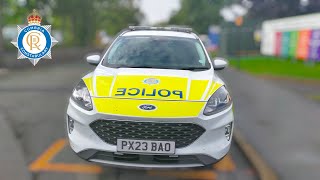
(239, 40)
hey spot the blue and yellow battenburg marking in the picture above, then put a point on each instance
(173, 96)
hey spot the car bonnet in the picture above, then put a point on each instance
(168, 93)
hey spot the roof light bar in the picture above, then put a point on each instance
(178, 29)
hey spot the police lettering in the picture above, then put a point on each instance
(148, 93)
(121, 92)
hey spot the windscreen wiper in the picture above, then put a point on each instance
(142, 67)
(195, 68)
(126, 66)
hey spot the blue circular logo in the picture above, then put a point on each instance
(34, 42)
(151, 81)
(147, 107)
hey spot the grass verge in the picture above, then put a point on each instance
(263, 65)
(315, 97)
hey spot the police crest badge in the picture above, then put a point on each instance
(34, 41)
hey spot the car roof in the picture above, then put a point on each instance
(160, 33)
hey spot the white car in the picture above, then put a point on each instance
(154, 100)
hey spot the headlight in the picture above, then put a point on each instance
(81, 96)
(219, 101)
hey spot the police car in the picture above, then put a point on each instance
(154, 100)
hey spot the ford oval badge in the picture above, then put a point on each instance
(147, 107)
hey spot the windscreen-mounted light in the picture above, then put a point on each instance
(177, 29)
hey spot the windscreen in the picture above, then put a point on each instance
(157, 52)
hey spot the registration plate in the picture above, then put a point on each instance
(146, 146)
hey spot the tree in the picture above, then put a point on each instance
(1, 15)
(115, 15)
(282, 8)
(88, 16)
(198, 14)
(79, 20)
(3, 5)
(15, 12)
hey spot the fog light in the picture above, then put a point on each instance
(70, 125)
(228, 131)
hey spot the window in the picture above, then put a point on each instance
(157, 52)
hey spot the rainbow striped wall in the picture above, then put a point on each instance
(303, 44)
(296, 37)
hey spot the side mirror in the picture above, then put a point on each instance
(93, 59)
(219, 63)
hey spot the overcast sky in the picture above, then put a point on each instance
(158, 10)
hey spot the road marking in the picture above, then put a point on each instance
(191, 174)
(43, 162)
(225, 165)
(47, 155)
(313, 97)
(3, 71)
(265, 172)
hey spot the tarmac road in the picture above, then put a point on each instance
(33, 102)
(280, 122)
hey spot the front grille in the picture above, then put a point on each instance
(182, 133)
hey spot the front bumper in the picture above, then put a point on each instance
(209, 148)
